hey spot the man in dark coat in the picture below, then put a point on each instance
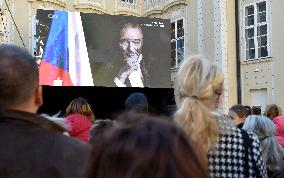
(31, 145)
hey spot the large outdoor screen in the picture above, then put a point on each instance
(86, 49)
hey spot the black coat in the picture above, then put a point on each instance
(105, 72)
(34, 147)
(155, 73)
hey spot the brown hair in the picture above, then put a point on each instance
(199, 83)
(99, 127)
(248, 110)
(143, 146)
(272, 111)
(256, 110)
(18, 76)
(80, 106)
(240, 110)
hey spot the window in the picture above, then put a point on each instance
(177, 43)
(129, 1)
(256, 31)
(150, 2)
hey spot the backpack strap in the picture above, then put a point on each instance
(248, 145)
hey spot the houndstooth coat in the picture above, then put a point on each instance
(229, 158)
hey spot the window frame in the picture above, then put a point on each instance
(255, 27)
(33, 33)
(127, 1)
(176, 39)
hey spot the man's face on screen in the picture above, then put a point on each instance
(131, 42)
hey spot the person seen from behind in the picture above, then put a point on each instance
(198, 92)
(32, 146)
(248, 110)
(256, 110)
(136, 102)
(99, 127)
(272, 152)
(79, 116)
(143, 146)
(272, 111)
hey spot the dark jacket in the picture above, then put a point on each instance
(34, 147)
(278, 173)
(104, 73)
(153, 76)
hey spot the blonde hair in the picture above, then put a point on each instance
(199, 84)
(82, 107)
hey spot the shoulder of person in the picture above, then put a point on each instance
(72, 150)
(71, 144)
(225, 124)
(253, 137)
(72, 154)
(278, 173)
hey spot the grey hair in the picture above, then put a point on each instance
(264, 128)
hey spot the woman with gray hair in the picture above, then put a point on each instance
(272, 153)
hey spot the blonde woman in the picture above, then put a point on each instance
(230, 151)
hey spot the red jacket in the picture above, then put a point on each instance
(79, 127)
(279, 126)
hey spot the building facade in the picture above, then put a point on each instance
(205, 27)
(261, 52)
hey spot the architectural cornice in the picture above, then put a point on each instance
(173, 3)
(60, 3)
(126, 12)
(154, 11)
(92, 7)
(123, 8)
(164, 6)
(256, 61)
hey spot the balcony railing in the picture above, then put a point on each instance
(128, 8)
(98, 5)
(160, 5)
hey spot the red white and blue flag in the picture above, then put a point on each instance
(65, 59)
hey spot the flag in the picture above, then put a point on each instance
(79, 65)
(65, 59)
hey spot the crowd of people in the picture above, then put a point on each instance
(198, 141)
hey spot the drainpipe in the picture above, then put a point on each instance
(239, 86)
